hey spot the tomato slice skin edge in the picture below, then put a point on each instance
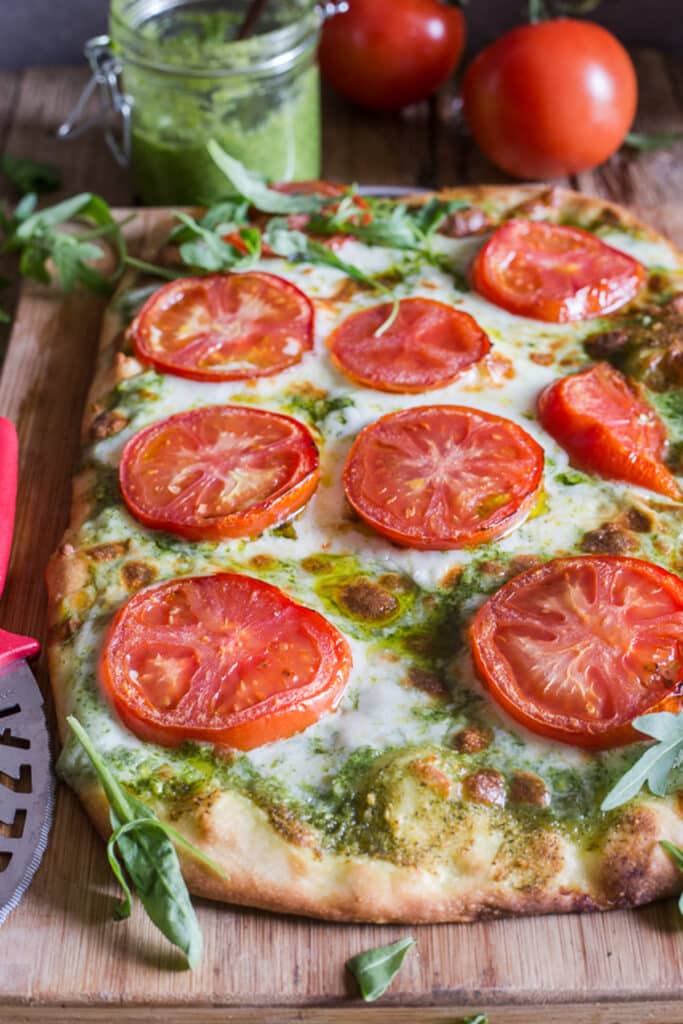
(496, 523)
(551, 721)
(593, 442)
(278, 716)
(270, 511)
(606, 278)
(138, 330)
(384, 363)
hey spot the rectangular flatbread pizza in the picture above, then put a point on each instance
(375, 556)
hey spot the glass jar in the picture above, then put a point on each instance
(188, 79)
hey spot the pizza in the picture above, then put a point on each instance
(369, 571)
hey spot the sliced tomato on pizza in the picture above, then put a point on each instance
(224, 659)
(555, 273)
(578, 648)
(426, 345)
(224, 326)
(607, 428)
(219, 472)
(443, 476)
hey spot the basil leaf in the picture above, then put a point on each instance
(645, 141)
(253, 187)
(149, 857)
(375, 969)
(30, 175)
(656, 764)
(153, 867)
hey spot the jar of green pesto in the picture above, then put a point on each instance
(191, 71)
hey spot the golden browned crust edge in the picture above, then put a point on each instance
(266, 870)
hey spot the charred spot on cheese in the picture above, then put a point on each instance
(262, 562)
(636, 519)
(426, 770)
(136, 575)
(486, 786)
(608, 539)
(345, 290)
(425, 681)
(108, 552)
(520, 563)
(528, 788)
(107, 423)
(472, 740)
(395, 582)
(463, 223)
(366, 600)
(542, 358)
(538, 206)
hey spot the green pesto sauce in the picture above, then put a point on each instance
(355, 806)
(270, 122)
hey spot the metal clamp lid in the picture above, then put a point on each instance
(105, 81)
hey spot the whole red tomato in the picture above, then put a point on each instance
(551, 99)
(383, 54)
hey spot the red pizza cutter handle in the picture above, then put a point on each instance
(12, 646)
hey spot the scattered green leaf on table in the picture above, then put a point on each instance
(30, 175)
(149, 857)
(656, 764)
(375, 969)
(645, 141)
(41, 240)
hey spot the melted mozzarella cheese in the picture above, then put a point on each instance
(378, 709)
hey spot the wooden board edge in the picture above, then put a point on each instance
(650, 1012)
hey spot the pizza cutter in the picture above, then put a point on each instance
(26, 781)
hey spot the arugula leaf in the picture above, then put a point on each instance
(656, 764)
(254, 188)
(30, 175)
(204, 249)
(222, 218)
(296, 246)
(34, 233)
(148, 855)
(375, 969)
(395, 225)
(645, 141)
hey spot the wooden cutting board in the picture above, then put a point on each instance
(62, 958)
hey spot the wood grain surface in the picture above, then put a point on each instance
(61, 956)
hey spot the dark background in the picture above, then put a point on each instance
(53, 31)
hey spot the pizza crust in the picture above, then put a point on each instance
(271, 866)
